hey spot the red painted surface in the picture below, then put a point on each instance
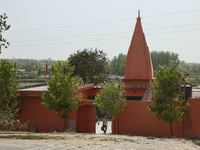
(136, 120)
(86, 119)
(192, 121)
(33, 111)
(138, 70)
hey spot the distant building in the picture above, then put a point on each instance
(21, 70)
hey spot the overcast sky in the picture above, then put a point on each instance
(42, 29)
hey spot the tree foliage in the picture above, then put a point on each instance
(111, 99)
(29, 66)
(91, 65)
(3, 27)
(163, 58)
(168, 102)
(117, 65)
(62, 96)
(39, 71)
(9, 99)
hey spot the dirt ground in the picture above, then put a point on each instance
(100, 141)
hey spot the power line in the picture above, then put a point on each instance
(174, 26)
(103, 22)
(69, 42)
(61, 38)
(174, 32)
(98, 39)
(71, 37)
(181, 12)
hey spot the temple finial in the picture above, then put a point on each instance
(138, 13)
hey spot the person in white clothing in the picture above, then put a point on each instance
(105, 124)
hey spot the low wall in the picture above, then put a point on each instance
(136, 120)
(192, 121)
(33, 111)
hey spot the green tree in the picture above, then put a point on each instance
(39, 71)
(168, 102)
(117, 65)
(91, 65)
(62, 96)
(9, 99)
(111, 99)
(163, 58)
(27, 66)
(3, 27)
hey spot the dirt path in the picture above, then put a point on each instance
(98, 141)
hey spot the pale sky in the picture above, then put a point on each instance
(42, 29)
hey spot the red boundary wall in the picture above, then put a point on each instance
(136, 120)
(33, 111)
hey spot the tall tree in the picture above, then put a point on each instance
(163, 58)
(168, 102)
(39, 71)
(62, 96)
(91, 65)
(111, 99)
(29, 66)
(117, 65)
(9, 95)
(3, 27)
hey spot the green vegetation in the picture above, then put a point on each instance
(194, 71)
(63, 97)
(3, 27)
(168, 100)
(196, 141)
(111, 99)
(91, 65)
(163, 58)
(117, 65)
(9, 99)
(32, 137)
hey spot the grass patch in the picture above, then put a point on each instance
(196, 141)
(105, 139)
(13, 132)
(129, 140)
(92, 138)
(31, 137)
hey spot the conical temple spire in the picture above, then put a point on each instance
(138, 70)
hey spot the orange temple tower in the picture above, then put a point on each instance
(138, 70)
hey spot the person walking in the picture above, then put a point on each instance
(105, 124)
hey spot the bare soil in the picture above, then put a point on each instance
(100, 141)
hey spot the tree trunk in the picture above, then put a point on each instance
(171, 129)
(114, 126)
(171, 120)
(65, 119)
